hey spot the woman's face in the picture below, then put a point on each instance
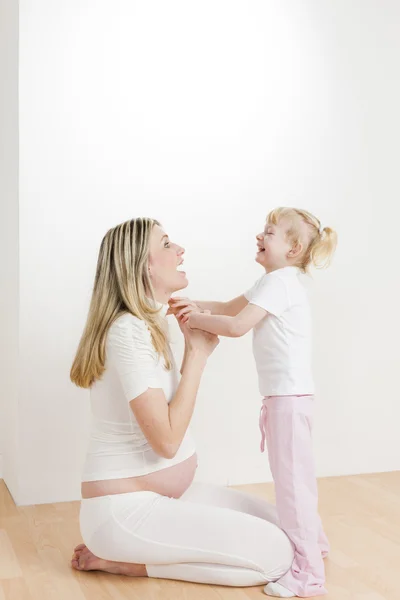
(164, 260)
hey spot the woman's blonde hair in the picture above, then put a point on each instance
(122, 285)
(319, 244)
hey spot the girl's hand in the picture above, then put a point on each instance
(182, 307)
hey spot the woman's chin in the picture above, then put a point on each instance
(181, 282)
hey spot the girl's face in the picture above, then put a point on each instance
(164, 260)
(273, 246)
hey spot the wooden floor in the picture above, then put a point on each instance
(361, 515)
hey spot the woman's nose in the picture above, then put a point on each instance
(180, 251)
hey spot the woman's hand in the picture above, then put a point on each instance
(195, 340)
(198, 340)
(191, 320)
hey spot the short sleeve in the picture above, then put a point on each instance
(270, 293)
(130, 351)
(249, 294)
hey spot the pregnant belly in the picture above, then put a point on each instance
(172, 481)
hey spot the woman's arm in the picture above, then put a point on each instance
(131, 352)
(226, 325)
(183, 360)
(164, 425)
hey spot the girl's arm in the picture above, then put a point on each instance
(229, 309)
(182, 306)
(228, 326)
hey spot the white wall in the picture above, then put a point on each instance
(9, 242)
(205, 116)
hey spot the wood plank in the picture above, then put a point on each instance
(9, 565)
(15, 589)
(361, 515)
(7, 505)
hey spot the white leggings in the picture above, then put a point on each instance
(211, 535)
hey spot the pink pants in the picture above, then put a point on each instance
(286, 424)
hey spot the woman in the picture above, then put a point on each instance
(140, 514)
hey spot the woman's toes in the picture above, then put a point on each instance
(85, 556)
(87, 561)
(80, 552)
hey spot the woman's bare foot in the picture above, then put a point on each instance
(84, 560)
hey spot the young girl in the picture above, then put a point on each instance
(277, 309)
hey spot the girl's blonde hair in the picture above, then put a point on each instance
(319, 244)
(122, 285)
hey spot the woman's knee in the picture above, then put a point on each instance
(276, 553)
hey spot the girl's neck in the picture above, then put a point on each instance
(282, 265)
(276, 268)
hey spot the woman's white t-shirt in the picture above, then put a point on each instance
(282, 340)
(118, 447)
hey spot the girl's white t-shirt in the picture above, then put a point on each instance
(282, 340)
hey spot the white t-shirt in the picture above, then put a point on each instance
(118, 447)
(282, 340)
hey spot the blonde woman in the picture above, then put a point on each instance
(141, 515)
